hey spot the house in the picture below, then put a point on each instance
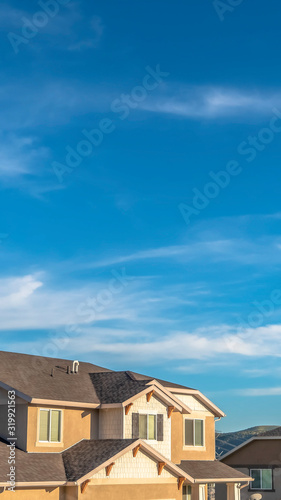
(259, 457)
(73, 430)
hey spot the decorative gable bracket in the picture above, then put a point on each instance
(109, 469)
(170, 411)
(127, 408)
(84, 486)
(161, 466)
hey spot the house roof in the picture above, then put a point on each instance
(41, 380)
(31, 376)
(87, 455)
(32, 467)
(212, 471)
(116, 387)
(37, 378)
(84, 459)
(79, 462)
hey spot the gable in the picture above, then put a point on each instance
(191, 401)
(128, 467)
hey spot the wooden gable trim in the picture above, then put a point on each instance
(136, 450)
(84, 486)
(109, 469)
(180, 482)
(127, 408)
(149, 395)
(170, 411)
(161, 466)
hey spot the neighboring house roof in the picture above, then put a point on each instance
(212, 471)
(274, 434)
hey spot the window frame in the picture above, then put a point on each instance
(50, 410)
(191, 446)
(147, 414)
(261, 481)
(187, 492)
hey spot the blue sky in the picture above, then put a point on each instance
(119, 251)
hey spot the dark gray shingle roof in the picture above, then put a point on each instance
(89, 454)
(116, 387)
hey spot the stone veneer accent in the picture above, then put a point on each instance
(154, 406)
(127, 467)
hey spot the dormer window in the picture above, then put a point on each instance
(50, 426)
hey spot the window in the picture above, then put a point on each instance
(186, 492)
(50, 426)
(147, 426)
(194, 432)
(262, 479)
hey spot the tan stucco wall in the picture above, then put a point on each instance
(33, 494)
(76, 425)
(178, 451)
(263, 452)
(133, 492)
(20, 417)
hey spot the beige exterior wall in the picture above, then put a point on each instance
(111, 423)
(34, 494)
(154, 406)
(138, 491)
(179, 451)
(76, 425)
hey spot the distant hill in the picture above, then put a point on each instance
(229, 440)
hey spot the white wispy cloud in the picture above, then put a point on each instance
(256, 392)
(241, 250)
(211, 102)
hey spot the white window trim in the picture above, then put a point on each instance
(261, 488)
(189, 446)
(49, 442)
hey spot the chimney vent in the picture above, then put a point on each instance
(52, 372)
(75, 366)
(68, 369)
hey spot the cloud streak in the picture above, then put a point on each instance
(212, 102)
